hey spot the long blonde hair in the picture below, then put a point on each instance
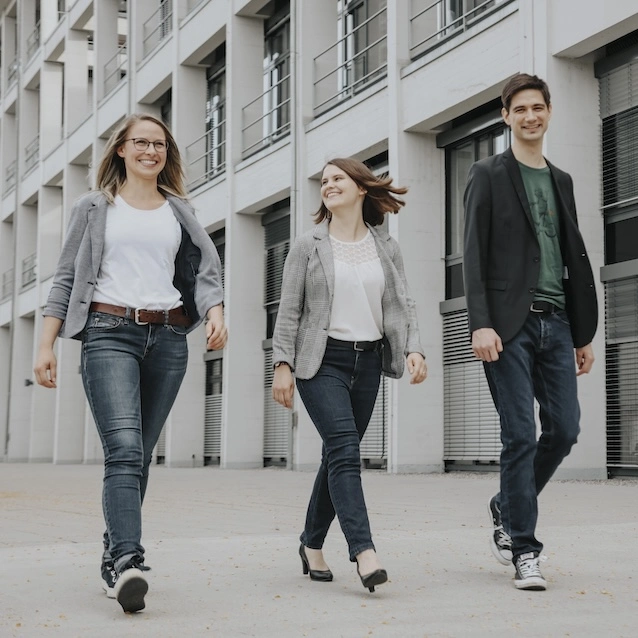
(111, 173)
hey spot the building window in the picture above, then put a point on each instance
(362, 28)
(216, 114)
(459, 157)
(267, 118)
(277, 72)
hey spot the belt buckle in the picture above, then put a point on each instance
(532, 309)
(136, 318)
(355, 343)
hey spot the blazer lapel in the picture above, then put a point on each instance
(324, 252)
(515, 175)
(97, 229)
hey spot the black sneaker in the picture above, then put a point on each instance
(528, 573)
(109, 576)
(500, 540)
(131, 584)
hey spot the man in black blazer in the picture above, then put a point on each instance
(531, 304)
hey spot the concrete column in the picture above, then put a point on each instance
(21, 394)
(76, 102)
(69, 435)
(5, 381)
(416, 426)
(105, 43)
(48, 19)
(316, 31)
(51, 91)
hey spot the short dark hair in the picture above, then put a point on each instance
(521, 82)
(381, 194)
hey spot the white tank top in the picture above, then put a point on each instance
(138, 262)
(357, 313)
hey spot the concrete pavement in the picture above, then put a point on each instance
(223, 545)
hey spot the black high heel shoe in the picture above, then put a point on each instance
(315, 574)
(371, 580)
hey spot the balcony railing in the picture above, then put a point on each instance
(28, 270)
(206, 156)
(7, 284)
(433, 23)
(267, 118)
(356, 60)
(10, 176)
(115, 69)
(31, 154)
(33, 42)
(157, 27)
(192, 4)
(12, 72)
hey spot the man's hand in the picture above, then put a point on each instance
(216, 332)
(584, 359)
(283, 386)
(486, 344)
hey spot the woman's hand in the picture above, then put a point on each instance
(417, 367)
(46, 367)
(283, 386)
(216, 332)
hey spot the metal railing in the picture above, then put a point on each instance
(10, 176)
(28, 270)
(157, 27)
(12, 72)
(206, 156)
(346, 67)
(192, 4)
(267, 118)
(433, 23)
(33, 42)
(7, 284)
(31, 154)
(115, 69)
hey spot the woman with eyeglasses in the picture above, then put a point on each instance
(345, 317)
(136, 274)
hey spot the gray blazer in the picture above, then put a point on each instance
(301, 331)
(197, 265)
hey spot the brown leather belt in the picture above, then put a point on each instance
(175, 317)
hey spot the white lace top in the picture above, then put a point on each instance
(357, 313)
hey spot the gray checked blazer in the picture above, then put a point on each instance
(197, 265)
(303, 320)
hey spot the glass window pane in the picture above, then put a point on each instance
(461, 159)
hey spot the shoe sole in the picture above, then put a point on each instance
(531, 584)
(130, 589)
(109, 591)
(503, 560)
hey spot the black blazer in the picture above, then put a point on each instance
(501, 261)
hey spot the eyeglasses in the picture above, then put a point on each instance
(141, 144)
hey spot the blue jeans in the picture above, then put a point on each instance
(131, 376)
(340, 399)
(537, 363)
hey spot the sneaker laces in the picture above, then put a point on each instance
(502, 539)
(528, 567)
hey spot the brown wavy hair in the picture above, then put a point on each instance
(380, 195)
(111, 173)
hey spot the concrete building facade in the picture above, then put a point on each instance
(259, 94)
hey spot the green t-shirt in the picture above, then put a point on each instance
(542, 202)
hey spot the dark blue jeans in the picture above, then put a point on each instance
(131, 376)
(537, 363)
(340, 399)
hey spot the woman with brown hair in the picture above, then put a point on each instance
(345, 317)
(136, 274)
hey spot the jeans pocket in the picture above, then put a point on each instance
(101, 322)
(182, 331)
(561, 315)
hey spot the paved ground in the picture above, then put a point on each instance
(223, 548)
